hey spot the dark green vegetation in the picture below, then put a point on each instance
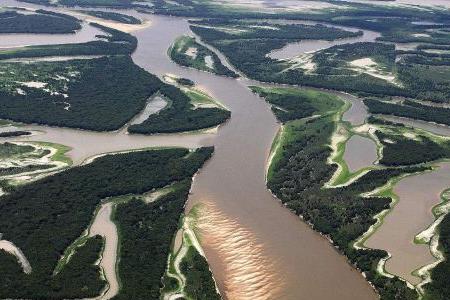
(44, 217)
(409, 109)
(185, 82)
(297, 176)
(291, 104)
(199, 281)
(108, 15)
(99, 94)
(179, 54)
(419, 73)
(79, 277)
(438, 288)
(341, 213)
(11, 149)
(100, 3)
(23, 169)
(180, 115)
(247, 50)
(426, 80)
(401, 150)
(38, 22)
(147, 231)
(102, 94)
(113, 43)
(14, 133)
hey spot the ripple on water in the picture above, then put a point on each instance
(248, 270)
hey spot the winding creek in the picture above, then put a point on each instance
(256, 248)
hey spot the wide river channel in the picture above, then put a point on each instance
(257, 249)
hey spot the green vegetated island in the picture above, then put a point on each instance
(38, 21)
(300, 176)
(410, 81)
(113, 16)
(47, 219)
(100, 94)
(189, 53)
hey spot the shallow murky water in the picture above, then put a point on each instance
(85, 34)
(308, 46)
(360, 152)
(412, 214)
(105, 227)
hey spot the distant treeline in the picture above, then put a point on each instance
(115, 43)
(109, 15)
(39, 22)
(409, 109)
(14, 133)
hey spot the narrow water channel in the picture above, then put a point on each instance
(105, 227)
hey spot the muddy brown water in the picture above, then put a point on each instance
(412, 214)
(360, 152)
(256, 248)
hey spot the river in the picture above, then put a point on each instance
(256, 248)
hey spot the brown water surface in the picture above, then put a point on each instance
(417, 195)
(257, 249)
(360, 152)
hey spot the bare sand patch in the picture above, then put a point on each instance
(369, 66)
(191, 52)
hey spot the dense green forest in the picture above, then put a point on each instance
(104, 94)
(199, 281)
(44, 22)
(341, 213)
(79, 277)
(14, 133)
(198, 59)
(297, 176)
(438, 288)
(114, 16)
(44, 217)
(99, 94)
(422, 149)
(180, 115)
(409, 109)
(147, 231)
(414, 71)
(114, 42)
(292, 103)
(252, 60)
